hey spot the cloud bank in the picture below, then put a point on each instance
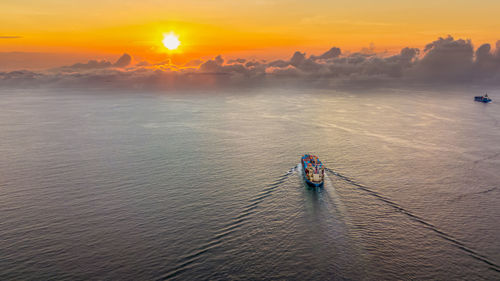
(10, 37)
(446, 61)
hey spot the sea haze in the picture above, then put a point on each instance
(207, 186)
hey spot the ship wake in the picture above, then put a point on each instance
(455, 242)
(225, 232)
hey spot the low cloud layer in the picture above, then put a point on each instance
(122, 62)
(10, 37)
(446, 61)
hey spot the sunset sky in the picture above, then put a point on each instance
(55, 32)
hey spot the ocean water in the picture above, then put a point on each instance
(204, 186)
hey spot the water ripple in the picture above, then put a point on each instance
(226, 230)
(474, 254)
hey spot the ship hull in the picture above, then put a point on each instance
(307, 181)
(482, 99)
(312, 184)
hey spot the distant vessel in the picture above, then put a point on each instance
(313, 170)
(484, 99)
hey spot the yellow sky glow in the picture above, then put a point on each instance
(245, 28)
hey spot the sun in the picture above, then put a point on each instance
(171, 41)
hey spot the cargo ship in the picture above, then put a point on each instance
(312, 170)
(484, 99)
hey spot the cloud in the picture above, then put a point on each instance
(123, 61)
(445, 61)
(90, 65)
(237, 61)
(193, 63)
(330, 54)
(10, 37)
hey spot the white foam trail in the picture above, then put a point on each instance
(332, 193)
(293, 170)
(454, 241)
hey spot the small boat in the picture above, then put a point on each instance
(312, 170)
(484, 99)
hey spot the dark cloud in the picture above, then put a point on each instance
(330, 54)
(237, 61)
(143, 63)
(279, 63)
(487, 64)
(123, 61)
(10, 37)
(90, 65)
(497, 52)
(446, 61)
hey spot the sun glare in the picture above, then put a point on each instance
(171, 41)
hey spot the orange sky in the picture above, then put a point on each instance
(243, 28)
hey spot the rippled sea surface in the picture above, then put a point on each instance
(206, 186)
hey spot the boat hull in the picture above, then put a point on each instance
(482, 99)
(312, 184)
(308, 182)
